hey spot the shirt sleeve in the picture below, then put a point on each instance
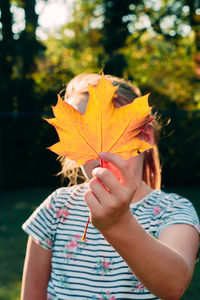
(41, 224)
(178, 211)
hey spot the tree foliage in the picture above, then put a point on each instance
(135, 39)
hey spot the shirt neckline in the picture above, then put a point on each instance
(134, 204)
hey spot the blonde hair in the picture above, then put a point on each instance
(126, 94)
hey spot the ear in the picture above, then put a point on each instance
(147, 135)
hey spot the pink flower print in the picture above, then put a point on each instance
(140, 286)
(77, 236)
(108, 293)
(59, 213)
(110, 298)
(72, 245)
(106, 297)
(106, 264)
(49, 206)
(62, 213)
(69, 256)
(157, 209)
(103, 266)
(66, 213)
(49, 296)
(48, 242)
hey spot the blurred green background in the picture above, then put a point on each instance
(43, 44)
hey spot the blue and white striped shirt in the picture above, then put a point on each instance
(93, 269)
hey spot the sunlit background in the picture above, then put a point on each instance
(52, 15)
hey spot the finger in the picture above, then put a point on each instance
(92, 203)
(119, 163)
(112, 168)
(99, 189)
(108, 180)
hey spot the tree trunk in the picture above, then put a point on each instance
(6, 45)
(115, 32)
(29, 43)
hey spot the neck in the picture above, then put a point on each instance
(142, 191)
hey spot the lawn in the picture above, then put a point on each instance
(16, 206)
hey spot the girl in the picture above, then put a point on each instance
(141, 243)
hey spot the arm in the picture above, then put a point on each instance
(36, 274)
(164, 265)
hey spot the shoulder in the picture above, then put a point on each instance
(78, 188)
(170, 200)
(61, 195)
(75, 191)
(171, 208)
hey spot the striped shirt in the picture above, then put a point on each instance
(93, 269)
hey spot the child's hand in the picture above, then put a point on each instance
(108, 198)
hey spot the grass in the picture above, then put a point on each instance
(16, 206)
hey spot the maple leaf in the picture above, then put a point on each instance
(103, 127)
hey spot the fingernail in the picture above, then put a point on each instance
(94, 170)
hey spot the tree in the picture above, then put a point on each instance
(17, 63)
(28, 40)
(172, 20)
(26, 43)
(18, 57)
(73, 49)
(6, 44)
(114, 34)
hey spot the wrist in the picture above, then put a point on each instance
(121, 230)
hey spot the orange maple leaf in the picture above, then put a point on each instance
(103, 127)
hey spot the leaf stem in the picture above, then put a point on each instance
(85, 231)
